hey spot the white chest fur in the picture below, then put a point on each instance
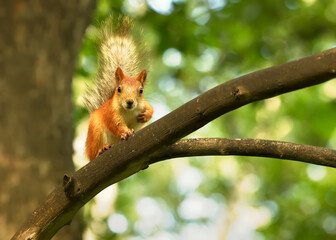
(130, 119)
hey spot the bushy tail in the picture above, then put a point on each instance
(119, 46)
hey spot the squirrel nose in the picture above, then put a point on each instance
(130, 103)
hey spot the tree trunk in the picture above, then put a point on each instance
(38, 47)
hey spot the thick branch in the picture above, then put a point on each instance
(247, 147)
(126, 158)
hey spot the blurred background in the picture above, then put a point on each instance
(196, 45)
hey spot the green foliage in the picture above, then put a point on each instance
(199, 44)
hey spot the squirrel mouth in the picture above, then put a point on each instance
(129, 106)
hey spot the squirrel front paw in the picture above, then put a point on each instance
(127, 134)
(143, 117)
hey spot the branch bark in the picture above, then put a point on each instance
(129, 157)
(246, 147)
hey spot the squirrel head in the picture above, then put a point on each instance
(129, 90)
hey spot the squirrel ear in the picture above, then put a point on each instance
(142, 77)
(119, 75)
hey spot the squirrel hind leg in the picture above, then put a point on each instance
(95, 139)
(104, 149)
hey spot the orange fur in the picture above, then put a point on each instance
(117, 118)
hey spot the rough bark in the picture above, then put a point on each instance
(128, 157)
(39, 43)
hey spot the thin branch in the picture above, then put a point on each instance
(129, 157)
(247, 147)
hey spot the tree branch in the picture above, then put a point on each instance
(128, 157)
(246, 147)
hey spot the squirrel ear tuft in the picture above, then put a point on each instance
(142, 77)
(119, 75)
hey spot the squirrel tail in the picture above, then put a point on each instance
(119, 46)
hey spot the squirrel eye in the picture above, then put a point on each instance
(141, 90)
(119, 89)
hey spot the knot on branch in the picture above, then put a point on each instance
(239, 92)
(235, 93)
(29, 234)
(145, 164)
(69, 186)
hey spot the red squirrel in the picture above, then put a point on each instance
(116, 102)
